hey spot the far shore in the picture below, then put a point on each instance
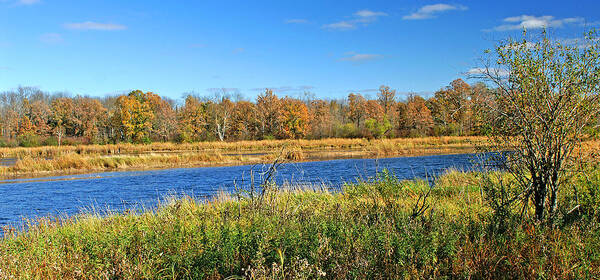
(69, 160)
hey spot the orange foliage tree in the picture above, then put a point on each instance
(245, 123)
(192, 120)
(267, 105)
(417, 117)
(134, 114)
(62, 117)
(293, 118)
(90, 116)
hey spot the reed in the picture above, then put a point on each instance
(89, 158)
(243, 146)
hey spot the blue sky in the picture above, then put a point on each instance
(330, 48)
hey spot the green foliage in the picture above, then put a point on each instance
(50, 141)
(28, 140)
(348, 130)
(7, 143)
(377, 128)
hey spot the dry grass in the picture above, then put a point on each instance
(87, 158)
(384, 146)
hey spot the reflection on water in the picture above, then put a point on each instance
(67, 195)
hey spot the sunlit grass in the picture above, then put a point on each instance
(366, 231)
(87, 158)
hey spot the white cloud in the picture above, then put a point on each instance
(90, 25)
(341, 25)
(369, 14)
(533, 22)
(363, 17)
(431, 11)
(360, 57)
(51, 38)
(296, 21)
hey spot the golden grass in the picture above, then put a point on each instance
(383, 146)
(87, 158)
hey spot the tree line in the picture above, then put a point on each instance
(29, 116)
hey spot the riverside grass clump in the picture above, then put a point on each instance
(369, 230)
(75, 162)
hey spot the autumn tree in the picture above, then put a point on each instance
(220, 112)
(245, 123)
(386, 98)
(321, 123)
(547, 93)
(267, 105)
(417, 117)
(12, 110)
(62, 117)
(134, 115)
(293, 118)
(165, 119)
(451, 107)
(38, 113)
(25, 127)
(89, 117)
(355, 111)
(481, 118)
(192, 119)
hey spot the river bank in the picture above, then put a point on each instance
(378, 228)
(47, 161)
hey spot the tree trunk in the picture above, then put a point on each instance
(539, 200)
(553, 202)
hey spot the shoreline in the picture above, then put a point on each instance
(347, 155)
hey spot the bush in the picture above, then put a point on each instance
(7, 143)
(28, 140)
(348, 130)
(50, 141)
(377, 129)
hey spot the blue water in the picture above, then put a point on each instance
(68, 195)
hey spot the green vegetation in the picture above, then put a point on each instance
(376, 229)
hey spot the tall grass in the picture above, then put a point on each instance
(85, 158)
(242, 146)
(367, 231)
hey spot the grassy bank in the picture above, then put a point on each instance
(88, 158)
(371, 230)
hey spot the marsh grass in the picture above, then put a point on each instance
(365, 231)
(88, 158)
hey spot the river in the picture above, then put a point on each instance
(67, 195)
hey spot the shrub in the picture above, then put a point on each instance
(28, 140)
